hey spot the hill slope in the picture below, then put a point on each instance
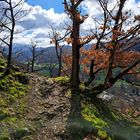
(37, 108)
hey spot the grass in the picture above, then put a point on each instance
(62, 80)
(90, 113)
(13, 89)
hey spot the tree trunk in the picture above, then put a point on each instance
(75, 54)
(32, 67)
(75, 67)
(58, 53)
(60, 67)
(9, 59)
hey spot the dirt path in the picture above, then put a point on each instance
(48, 108)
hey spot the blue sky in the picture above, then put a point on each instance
(47, 4)
(36, 25)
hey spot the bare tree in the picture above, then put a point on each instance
(11, 12)
(36, 53)
(57, 38)
(51, 65)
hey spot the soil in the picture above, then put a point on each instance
(48, 106)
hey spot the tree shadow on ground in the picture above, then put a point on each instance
(78, 127)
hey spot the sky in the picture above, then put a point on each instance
(46, 14)
(47, 4)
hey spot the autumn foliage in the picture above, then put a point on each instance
(114, 39)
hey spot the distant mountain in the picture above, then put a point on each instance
(49, 52)
(137, 47)
(48, 55)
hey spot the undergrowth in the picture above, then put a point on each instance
(13, 88)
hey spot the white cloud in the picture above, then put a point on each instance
(37, 23)
(93, 9)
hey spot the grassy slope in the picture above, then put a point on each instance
(13, 89)
(108, 123)
(96, 118)
(99, 120)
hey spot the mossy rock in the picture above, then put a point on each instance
(22, 78)
(2, 62)
(102, 134)
(91, 114)
(14, 68)
(4, 135)
(20, 133)
(79, 128)
(62, 80)
(2, 65)
(3, 116)
(2, 68)
(4, 138)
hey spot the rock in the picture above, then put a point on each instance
(23, 79)
(106, 96)
(131, 100)
(18, 134)
(49, 82)
(15, 69)
(1, 68)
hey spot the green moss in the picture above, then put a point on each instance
(13, 103)
(15, 128)
(78, 127)
(102, 134)
(21, 77)
(12, 87)
(82, 86)
(19, 133)
(68, 93)
(2, 68)
(61, 80)
(2, 62)
(3, 102)
(91, 114)
(4, 134)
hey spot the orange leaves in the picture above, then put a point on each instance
(68, 40)
(117, 33)
(137, 18)
(121, 59)
(101, 27)
(85, 61)
(86, 69)
(109, 46)
(80, 41)
(67, 58)
(125, 59)
(100, 57)
(104, 27)
(52, 41)
(78, 16)
(67, 63)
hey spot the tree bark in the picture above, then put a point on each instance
(75, 67)
(9, 60)
(75, 54)
(58, 54)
